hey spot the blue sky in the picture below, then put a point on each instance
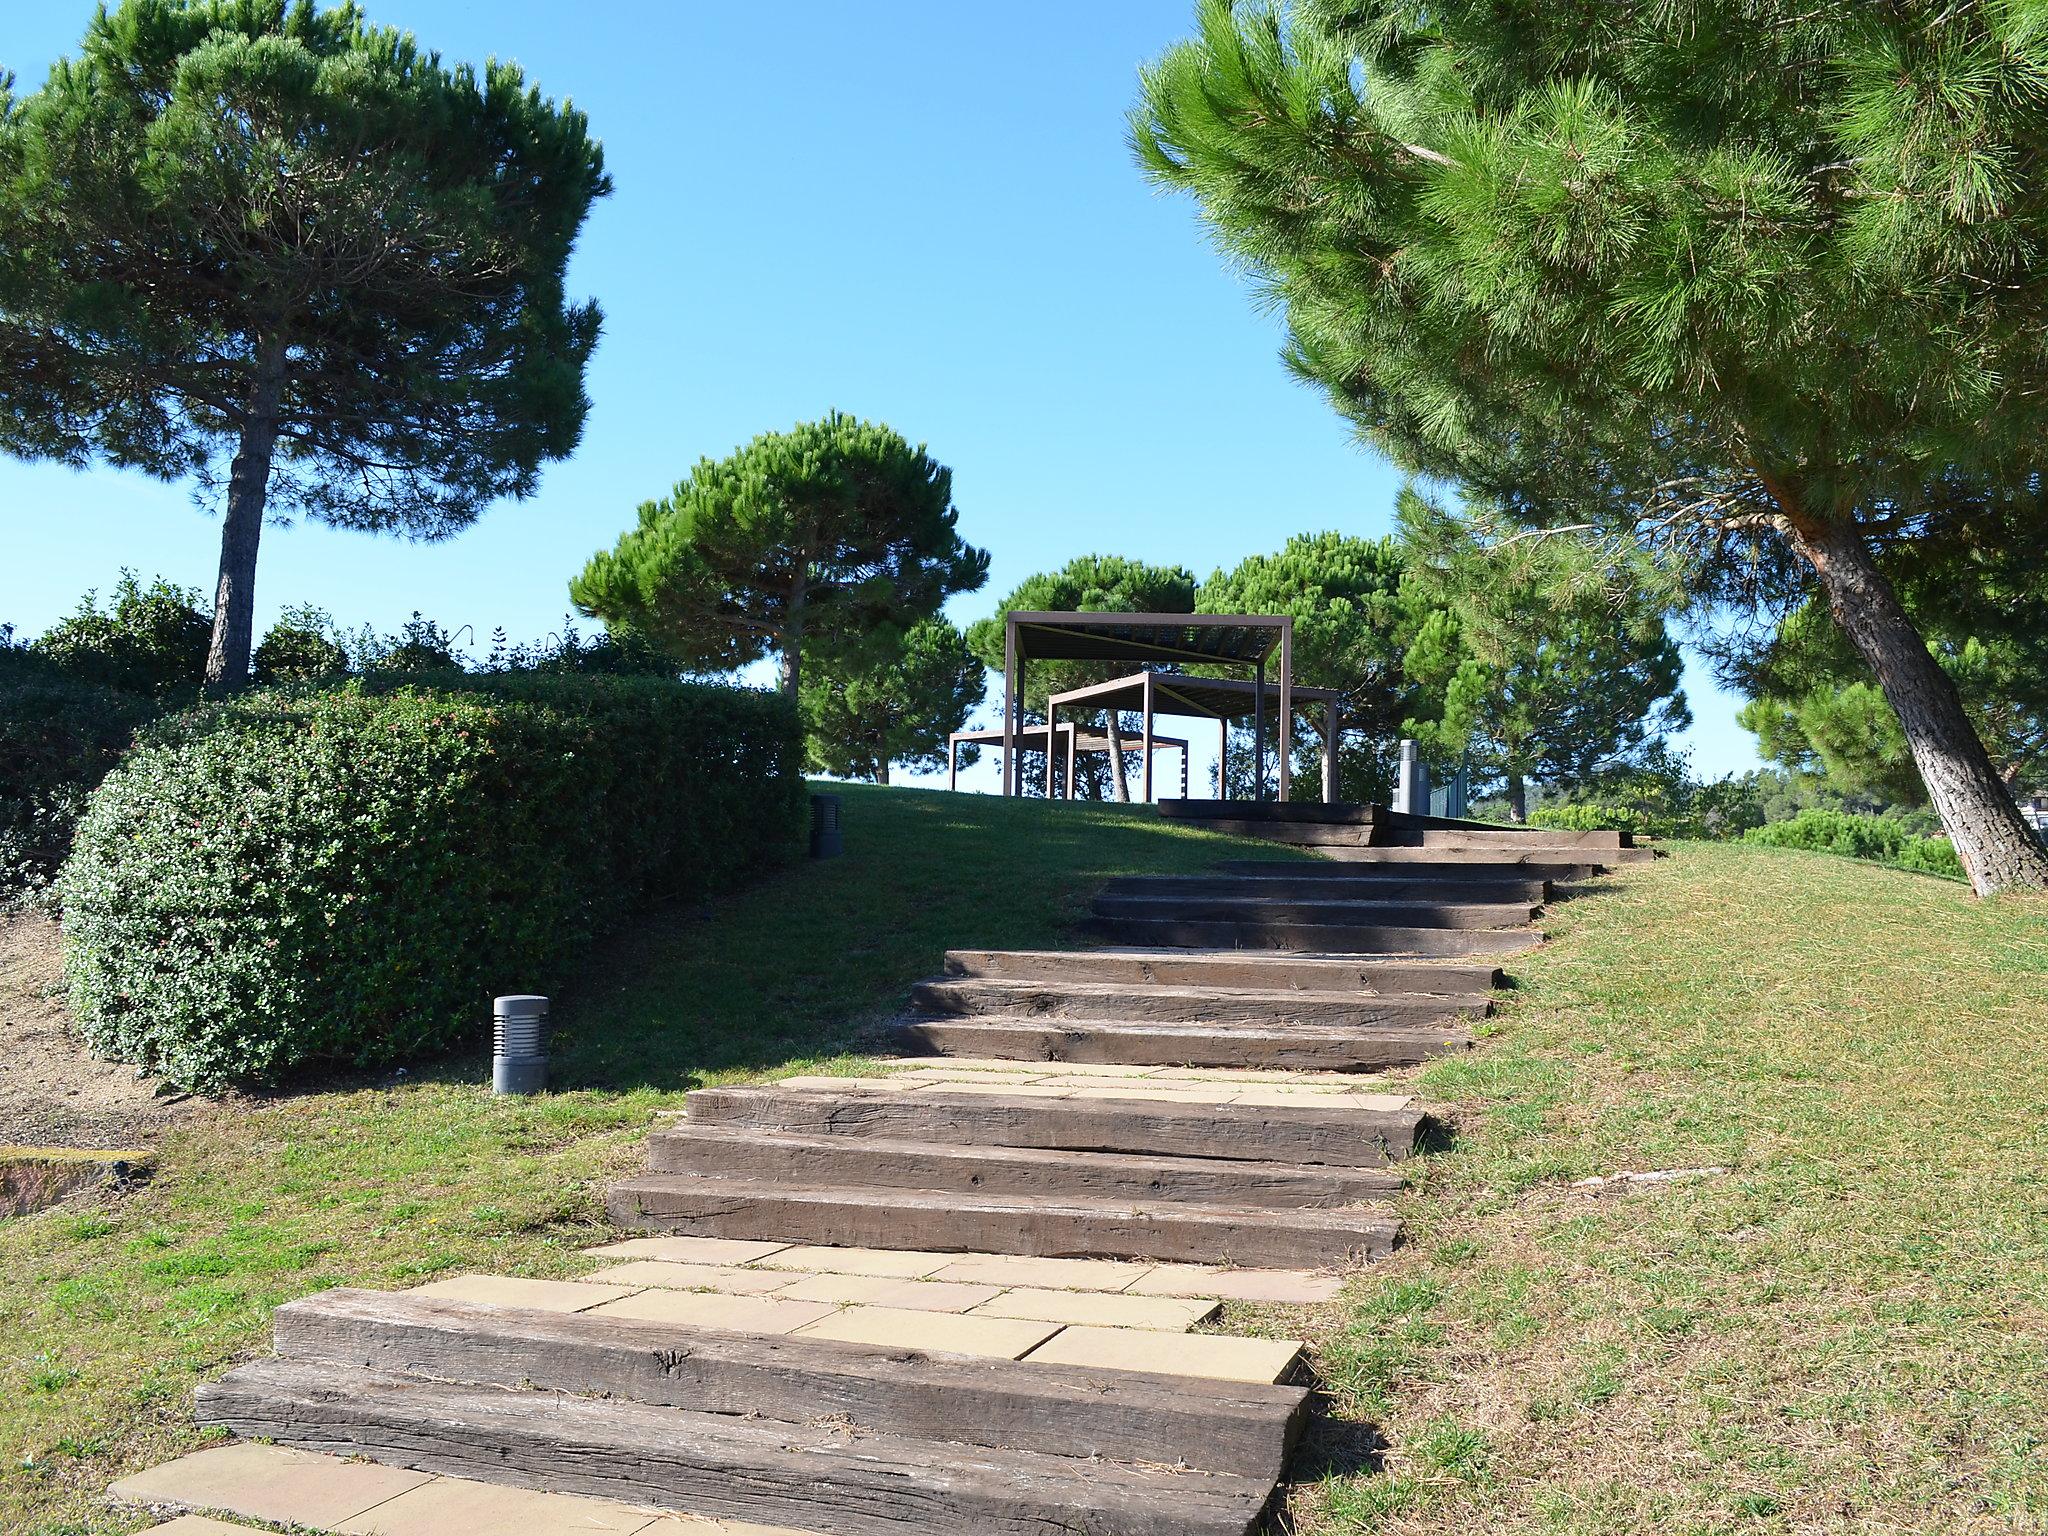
(919, 211)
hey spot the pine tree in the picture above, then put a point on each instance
(1344, 595)
(823, 543)
(1756, 285)
(272, 235)
(895, 707)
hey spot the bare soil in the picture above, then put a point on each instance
(53, 1092)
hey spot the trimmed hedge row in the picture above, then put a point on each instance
(58, 738)
(1860, 837)
(348, 874)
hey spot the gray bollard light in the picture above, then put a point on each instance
(519, 1044)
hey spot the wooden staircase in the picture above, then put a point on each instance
(1198, 1092)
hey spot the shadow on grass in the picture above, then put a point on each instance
(800, 966)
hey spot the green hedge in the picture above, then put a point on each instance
(58, 738)
(348, 875)
(1860, 837)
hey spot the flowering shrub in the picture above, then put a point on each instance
(348, 874)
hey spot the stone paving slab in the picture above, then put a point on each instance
(1216, 1356)
(901, 1263)
(535, 1295)
(688, 1250)
(1167, 1314)
(1002, 1271)
(883, 1291)
(304, 1490)
(269, 1483)
(733, 1279)
(899, 1328)
(1300, 1287)
(1047, 1274)
(708, 1309)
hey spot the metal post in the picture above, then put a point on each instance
(1009, 706)
(1073, 731)
(1330, 736)
(953, 762)
(1286, 704)
(1259, 732)
(1222, 758)
(1145, 778)
(1185, 749)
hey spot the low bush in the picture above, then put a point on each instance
(347, 875)
(1883, 838)
(1598, 815)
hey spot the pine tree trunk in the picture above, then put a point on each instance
(793, 633)
(234, 597)
(1518, 798)
(1998, 849)
(1116, 759)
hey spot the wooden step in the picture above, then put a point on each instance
(1301, 1047)
(985, 996)
(1551, 839)
(1314, 938)
(1342, 883)
(842, 1162)
(1305, 834)
(1177, 967)
(1324, 1132)
(1252, 907)
(1367, 877)
(1034, 1226)
(1556, 864)
(814, 1475)
(1240, 1428)
(1335, 813)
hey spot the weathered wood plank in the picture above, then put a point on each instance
(1346, 1137)
(1374, 882)
(842, 1162)
(1316, 938)
(1178, 967)
(1308, 1048)
(1245, 1430)
(1036, 1228)
(979, 996)
(1338, 912)
(772, 1472)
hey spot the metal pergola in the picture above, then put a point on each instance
(1074, 740)
(1222, 699)
(1162, 640)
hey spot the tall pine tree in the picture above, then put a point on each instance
(273, 237)
(1757, 285)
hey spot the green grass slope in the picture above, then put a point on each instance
(1845, 1332)
(110, 1314)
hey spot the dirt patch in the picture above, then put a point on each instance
(52, 1091)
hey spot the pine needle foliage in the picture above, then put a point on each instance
(1755, 285)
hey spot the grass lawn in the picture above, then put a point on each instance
(110, 1314)
(1848, 1331)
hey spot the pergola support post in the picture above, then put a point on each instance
(1259, 733)
(1222, 758)
(1331, 729)
(1010, 691)
(1145, 777)
(1286, 706)
(953, 762)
